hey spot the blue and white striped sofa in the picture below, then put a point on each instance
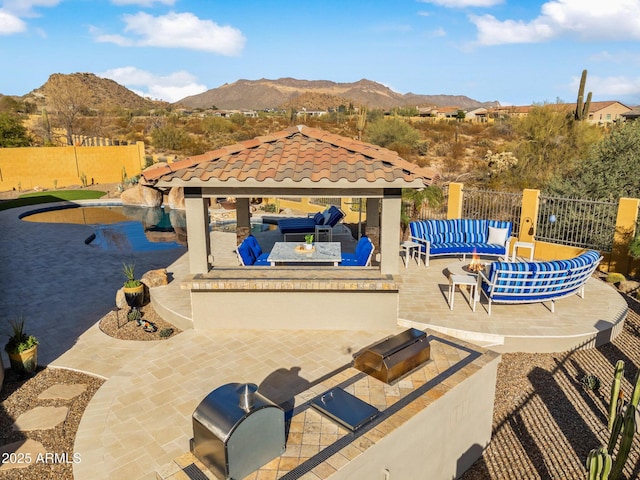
(461, 236)
(532, 282)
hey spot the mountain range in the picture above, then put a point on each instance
(106, 94)
(318, 95)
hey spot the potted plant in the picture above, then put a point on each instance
(22, 348)
(308, 239)
(133, 288)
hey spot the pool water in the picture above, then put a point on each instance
(129, 228)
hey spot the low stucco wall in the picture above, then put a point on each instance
(350, 298)
(320, 310)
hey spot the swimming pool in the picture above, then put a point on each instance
(125, 228)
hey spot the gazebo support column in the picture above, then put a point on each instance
(390, 232)
(243, 219)
(198, 238)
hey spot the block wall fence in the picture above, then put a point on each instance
(30, 167)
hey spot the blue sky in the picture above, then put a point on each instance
(515, 51)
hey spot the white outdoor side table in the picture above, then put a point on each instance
(470, 281)
(529, 245)
(411, 249)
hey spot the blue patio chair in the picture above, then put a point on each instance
(256, 250)
(249, 253)
(330, 217)
(362, 256)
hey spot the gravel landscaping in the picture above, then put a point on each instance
(545, 423)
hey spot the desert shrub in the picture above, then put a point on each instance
(615, 277)
(393, 133)
(169, 137)
(165, 332)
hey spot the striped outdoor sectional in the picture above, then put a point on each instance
(461, 236)
(532, 282)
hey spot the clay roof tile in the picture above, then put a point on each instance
(297, 154)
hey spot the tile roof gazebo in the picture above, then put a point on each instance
(296, 162)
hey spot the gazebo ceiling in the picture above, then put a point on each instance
(296, 158)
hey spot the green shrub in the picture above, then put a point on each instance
(134, 315)
(615, 278)
(166, 332)
(590, 382)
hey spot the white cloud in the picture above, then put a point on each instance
(24, 8)
(610, 87)
(584, 19)
(10, 24)
(178, 30)
(12, 12)
(623, 57)
(143, 3)
(172, 87)
(464, 3)
(494, 32)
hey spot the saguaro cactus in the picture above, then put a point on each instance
(628, 430)
(615, 392)
(582, 109)
(599, 464)
(635, 395)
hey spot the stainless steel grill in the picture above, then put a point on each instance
(236, 430)
(395, 356)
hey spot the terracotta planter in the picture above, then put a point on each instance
(24, 362)
(134, 296)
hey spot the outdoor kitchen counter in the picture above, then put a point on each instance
(433, 422)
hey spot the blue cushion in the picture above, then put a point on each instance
(262, 260)
(513, 283)
(297, 225)
(364, 248)
(254, 246)
(245, 253)
(318, 218)
(335, 217)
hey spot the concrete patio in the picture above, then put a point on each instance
(140, 419)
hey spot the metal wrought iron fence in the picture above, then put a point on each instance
(325, 201)
(577, 222)
(492, 205)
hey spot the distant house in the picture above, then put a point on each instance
(600, 113)
(606, 112)
(447, 112)
(429, 111)
(477, 115)
(311, 113)
(632, 114)
(509, 111)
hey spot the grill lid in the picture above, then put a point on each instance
(342, 407)
(224, 408)
(395, 356)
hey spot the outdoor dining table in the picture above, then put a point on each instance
(292, 252)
